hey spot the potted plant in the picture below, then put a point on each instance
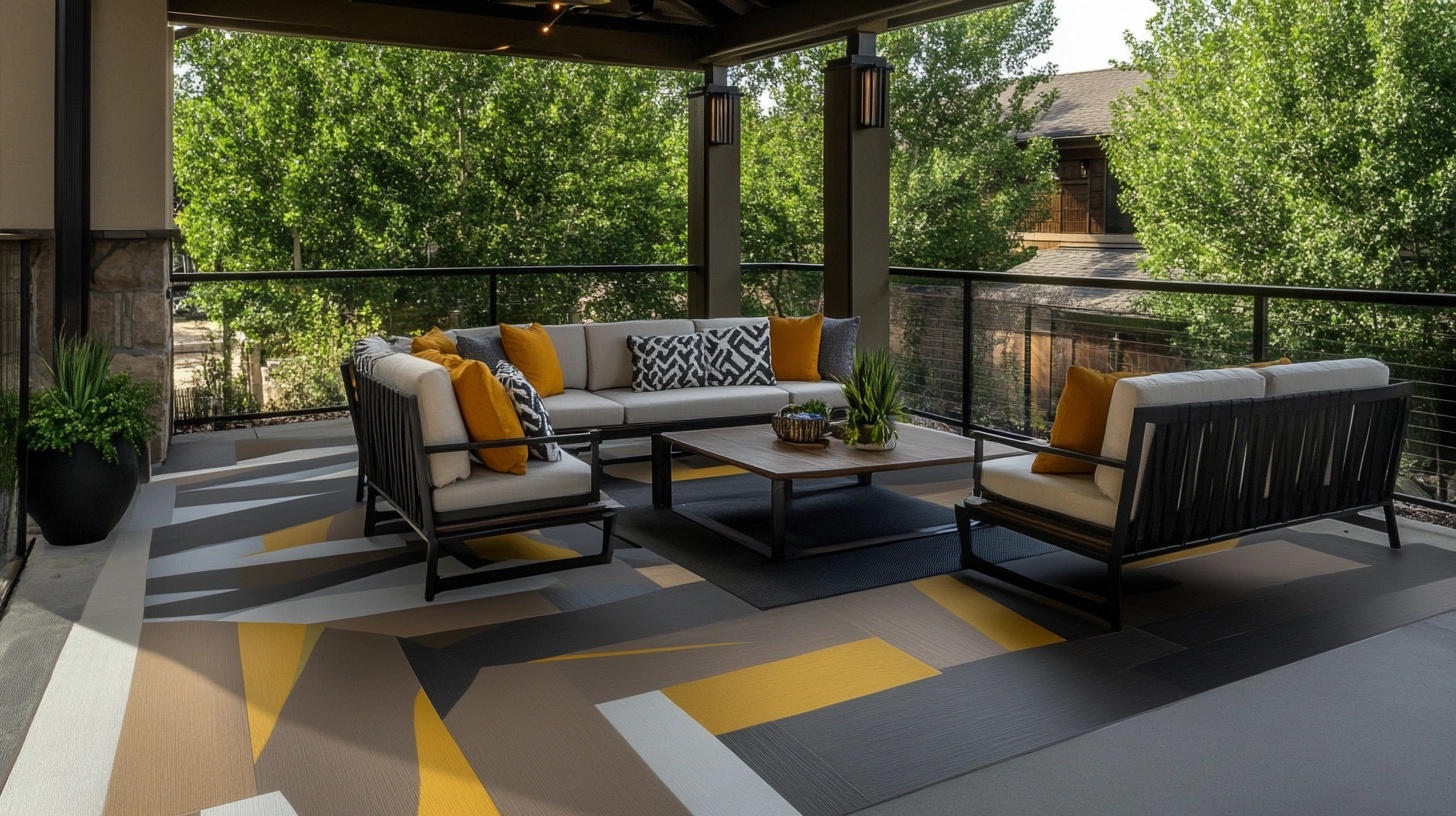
(872, 390)
(82, 438)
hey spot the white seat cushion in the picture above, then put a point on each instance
(486, 488)
(1076, 496)
(582, 409)
(1324, 375)
(826, 390)
(609, 359)
(439, 414)
(696, 403)
(1211, 385)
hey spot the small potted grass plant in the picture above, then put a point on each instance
(82, 438)
(872, 390)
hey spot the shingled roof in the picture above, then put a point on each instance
(1084, 102)
(1075, 262)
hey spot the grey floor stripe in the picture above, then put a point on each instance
(1410, 567)
(446, 673)
(891, 743)
(217, 529)
(1362, 730)
(797, 773)
(247, 474)
(274, 583)
(1234, 658)
(223, 495)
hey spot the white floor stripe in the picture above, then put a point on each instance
(152, 507)
(300, 455)
(314, 474)
(65, 763)
(695, 765)
(269, 804)
(224, 555)
(182, 515)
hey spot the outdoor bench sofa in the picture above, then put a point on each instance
(415, 451)
(1191, 458)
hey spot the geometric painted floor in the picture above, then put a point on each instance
(237, 647)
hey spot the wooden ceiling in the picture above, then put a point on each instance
(678, 34)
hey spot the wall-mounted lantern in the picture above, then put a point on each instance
(721, 114)
(874, 93)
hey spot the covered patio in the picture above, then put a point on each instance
(238, 646)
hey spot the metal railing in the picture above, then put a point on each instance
(989, 350)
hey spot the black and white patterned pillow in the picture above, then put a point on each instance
(837, 339)
(487, 349)
(535, 421)
(664, 361)
(738, 355)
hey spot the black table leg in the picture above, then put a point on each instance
(864, 479)
(782, 490)
(661, 471)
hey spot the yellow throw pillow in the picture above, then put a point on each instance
(489, 414)
(438, 357)
(433, 339)
(1081, 419)
(531, 351)
(793, 347)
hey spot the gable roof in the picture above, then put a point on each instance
(1075, 262)
(1084, 103)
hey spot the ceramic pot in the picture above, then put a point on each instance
(78, 497)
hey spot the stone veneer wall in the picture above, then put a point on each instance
(130, 274)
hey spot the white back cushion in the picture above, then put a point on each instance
(703, 323)
(439, 415)
(1164, 389)
(609, 361)
(570, 342)
(1324, 375)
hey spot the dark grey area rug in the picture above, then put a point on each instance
(818, 516)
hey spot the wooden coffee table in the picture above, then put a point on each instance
(755, 449)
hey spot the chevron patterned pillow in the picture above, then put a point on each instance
(529, 409)
(738, 355)
(664, 361)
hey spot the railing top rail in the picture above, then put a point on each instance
(427, 272)
(1445, 299)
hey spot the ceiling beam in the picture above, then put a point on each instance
(810, 22)
(417, 28)
(711, 10)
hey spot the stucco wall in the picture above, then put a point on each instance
(27, 112)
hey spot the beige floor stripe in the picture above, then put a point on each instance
(541, 749)
(444, 616)
(184, 743)
(345, 740)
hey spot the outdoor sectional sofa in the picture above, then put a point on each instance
(1195, 457)
(416, 454)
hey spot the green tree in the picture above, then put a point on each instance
(1301, 142)
(961, 186)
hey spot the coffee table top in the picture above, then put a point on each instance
(755, 449)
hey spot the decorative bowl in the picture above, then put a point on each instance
(792, 427)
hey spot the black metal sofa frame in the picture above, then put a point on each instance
(394, 466)
(1213, 471)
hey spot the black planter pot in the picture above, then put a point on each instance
(80, 497)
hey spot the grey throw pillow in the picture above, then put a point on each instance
(837, 341)
(529, 409)
(664, 361)
(368, 350)
(487, 349)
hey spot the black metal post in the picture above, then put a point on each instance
(23, 388)
(1261, 328)
(968, 362)
(494, 295)
(73, 166)
(1026, 376)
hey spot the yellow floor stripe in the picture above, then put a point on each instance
(627, 652)
(783, 688)
(448, 785)
(517, 545)
(1010, 630)
(682, 473)
(1207, 549)
(272, 656)
(297, 536)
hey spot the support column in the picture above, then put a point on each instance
(857, 190)
(714, 244)
(73, 166)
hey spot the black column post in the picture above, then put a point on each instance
(73, 167)
(714, 239)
